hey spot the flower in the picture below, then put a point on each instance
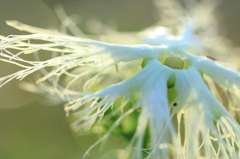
(166, 91)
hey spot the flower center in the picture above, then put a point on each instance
(174, 62)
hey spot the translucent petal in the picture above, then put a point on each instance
(205, 120)
(148, 91)
(226, 78)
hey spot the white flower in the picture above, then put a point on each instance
(170, 87)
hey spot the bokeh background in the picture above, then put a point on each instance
(30, 129)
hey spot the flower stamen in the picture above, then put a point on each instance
(174, 62)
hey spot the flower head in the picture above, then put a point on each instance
(163, 85)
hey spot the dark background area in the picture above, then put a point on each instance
(31, 130)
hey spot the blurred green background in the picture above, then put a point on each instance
(32, 130)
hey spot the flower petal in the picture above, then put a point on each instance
(226, 78)
(204, 119)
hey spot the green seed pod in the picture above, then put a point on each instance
(144, 62)
(171, 81)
